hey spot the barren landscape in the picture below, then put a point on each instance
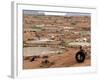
(53, 41)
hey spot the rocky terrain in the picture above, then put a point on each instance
(60, 35)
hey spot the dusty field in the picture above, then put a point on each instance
(66, 59)
(59, 31)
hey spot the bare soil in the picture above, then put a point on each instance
(66, 59)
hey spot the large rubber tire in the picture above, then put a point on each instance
(80, 57)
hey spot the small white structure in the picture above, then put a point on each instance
(81, 40)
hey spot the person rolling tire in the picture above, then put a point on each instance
(80, 55)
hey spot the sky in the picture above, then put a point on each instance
(36, 12)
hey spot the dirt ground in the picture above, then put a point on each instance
(66, 59)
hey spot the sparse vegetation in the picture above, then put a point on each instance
(58, 53)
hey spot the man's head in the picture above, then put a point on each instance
(80, 47)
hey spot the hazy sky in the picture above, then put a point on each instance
(36, 12)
